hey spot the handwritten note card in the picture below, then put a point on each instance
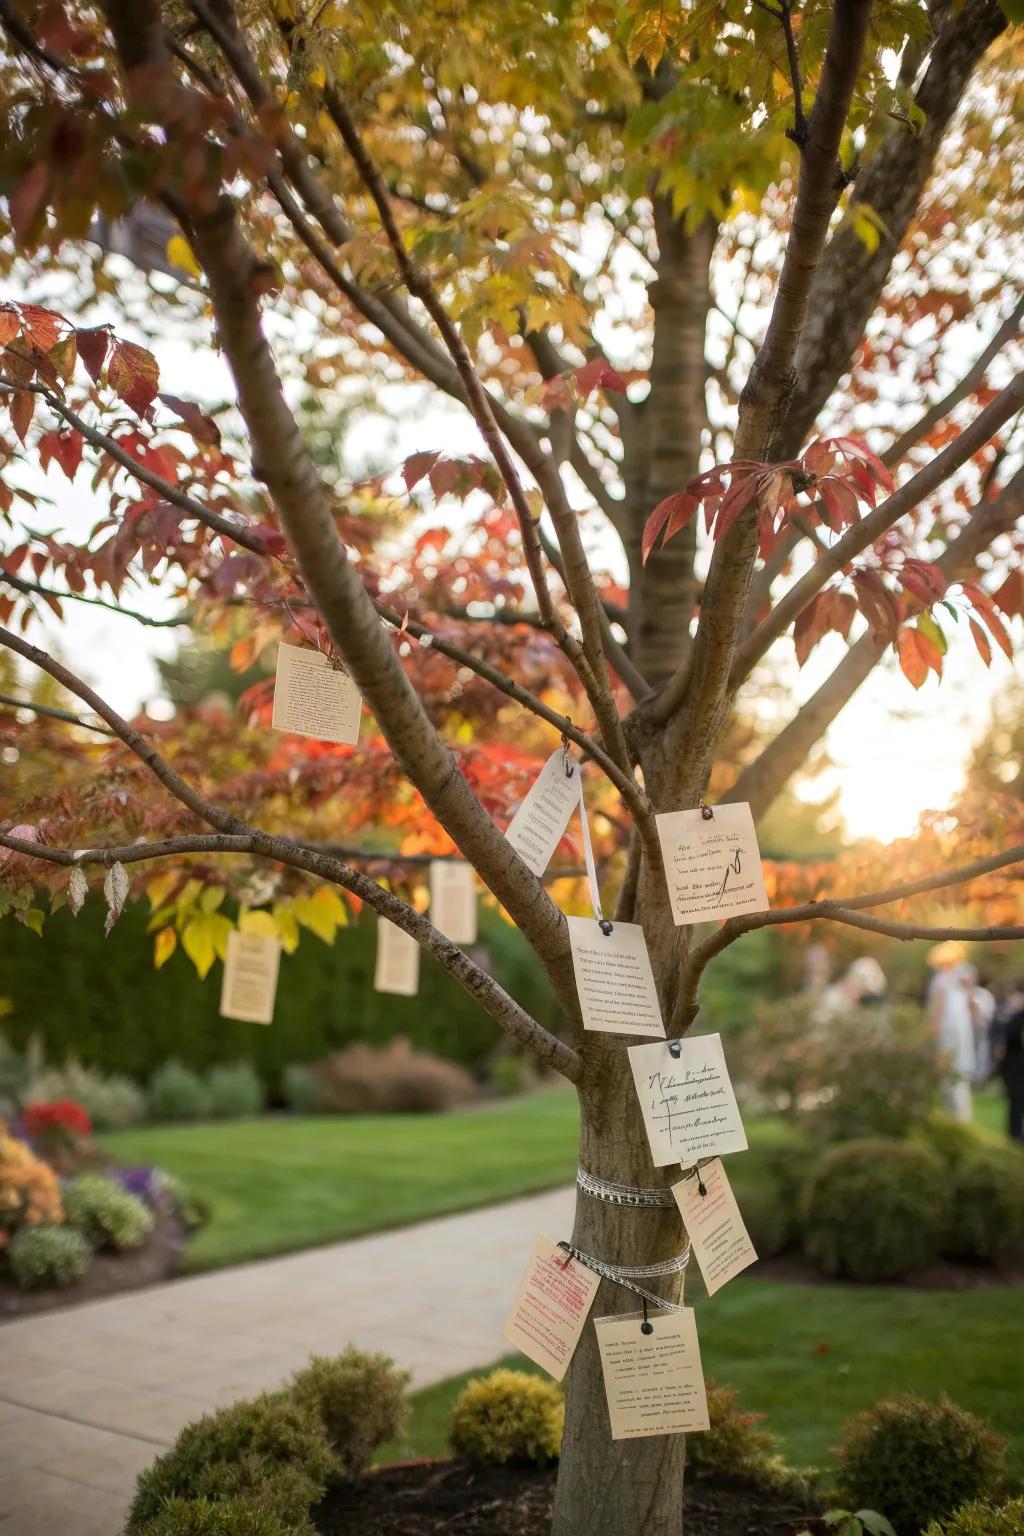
(653, 1381)
(688, 1105)
(537, 828)
(614, 978)
(397, 968)
(713, 867)
(314, 698)
(551, 1306)
(250, 978)
(453, 900)
(720, 1242)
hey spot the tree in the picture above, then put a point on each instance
(645, 250)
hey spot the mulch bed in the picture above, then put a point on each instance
(109, 1272)
(449, 1497)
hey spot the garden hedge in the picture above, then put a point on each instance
(101, 1000)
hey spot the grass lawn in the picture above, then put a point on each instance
(286, 1182)
(808, 1357)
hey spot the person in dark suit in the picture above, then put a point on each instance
(1008, 1057)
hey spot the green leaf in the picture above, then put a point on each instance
(928, 627)
(874, 1523)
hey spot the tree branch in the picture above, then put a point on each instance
(957, 453)
(968, 384)
(33, 587)
(51, 712)
(495, 1001)
(762, 780)
(849, 910)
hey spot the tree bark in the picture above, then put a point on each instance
(612, 1487)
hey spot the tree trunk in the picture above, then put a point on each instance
(612, 1487)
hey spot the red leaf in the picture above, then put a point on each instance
(981, 641)
(736, 499)
(989, 617)
(1009, 598)
(202, 428)
(852, 447)
(597, 374)
(840, 503)
(22, 404)
(41, 326)
(271, 539)
(912, 661)
(28, 197)
(132, 373)
(809, 628)
(677, 509)
(418, 465)
(92, 349)
(10, 324)
(877, 604)
(841, 608)
(68, 451)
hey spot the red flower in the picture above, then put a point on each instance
(62, 1115)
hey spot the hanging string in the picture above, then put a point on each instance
(622, 1194)
(588, 857)
(626, 1275)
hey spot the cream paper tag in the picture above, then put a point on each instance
(453, 900)
(713, 867)
(314, 698)
(551, 1306)
(720, 1242)
(538, 826)
(614, 978)
(653, 1381)
(397, 967)
(688, 1105)
(250, 978)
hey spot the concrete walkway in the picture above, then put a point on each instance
(89, 1396)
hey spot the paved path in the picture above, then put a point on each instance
(88, 1396)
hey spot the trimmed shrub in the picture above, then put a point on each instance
(508, 1416)
(298, 1089)
(980, 1519)
(127, 1017)
(106, 1215)
(235, 1091)
(109, 1101)
(987, 1220)
(270, 1449)
(874, 1210)
(952, 1140)
(45, 1256)
(225, 1517)
(734, 1447)
(767, 1188)
(918, 1460)
(885, 1076)
(360, 1400)
(394, 1080)
(194, 1209)
(177, 1093)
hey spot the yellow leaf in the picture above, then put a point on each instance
(318, 76)
(204, 938)
(188, 894)
(258, 922)
(287, 927)
(179, 254)
(329, 898)
(319, 913)
(164, 945)
(159, 889)
(34, 919)
(211, 898)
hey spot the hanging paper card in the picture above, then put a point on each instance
(536, 829)
(720, 1242)
(614, 978)
(688, 1105)
(713, 866)
(453, 900)
(313, 697)
(551, 1307)
(397, 967)
(653, 1381)
(250, 978)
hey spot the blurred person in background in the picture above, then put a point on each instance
(1008, 1056)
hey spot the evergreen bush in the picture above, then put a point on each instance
(875, 1209)
(47, 1256)
(235, 1091)
(508, 1416)
(178, 1093)
(359, 1398)
(105, 1214)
